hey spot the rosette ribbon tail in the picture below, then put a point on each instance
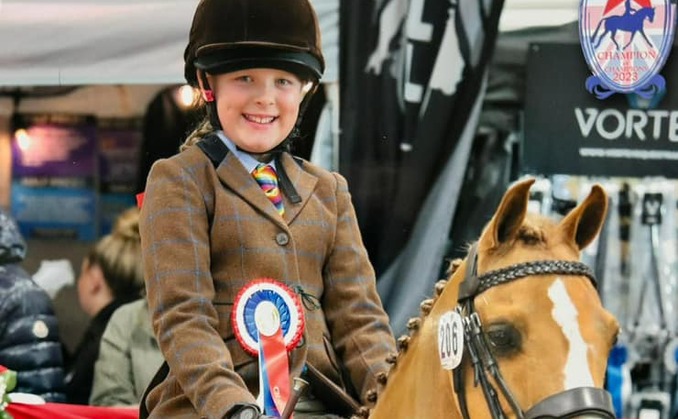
(274, 368)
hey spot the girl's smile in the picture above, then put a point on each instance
(258, 107)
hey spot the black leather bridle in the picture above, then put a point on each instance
(590, 401)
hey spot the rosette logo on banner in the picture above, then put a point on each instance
(268, 322)
(626, 43)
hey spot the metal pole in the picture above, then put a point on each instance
(298, 389)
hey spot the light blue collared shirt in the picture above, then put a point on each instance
(246, 159)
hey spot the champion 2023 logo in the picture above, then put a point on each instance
(626, 43)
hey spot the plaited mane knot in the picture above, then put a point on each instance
(362, 413)
(531, 235)
(403, 342)
(426, 307)
(440, 287)
(413, 324)
(382, 378)
(371, 395)
(392, 359)
(454, 265)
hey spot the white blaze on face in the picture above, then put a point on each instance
(577, 372)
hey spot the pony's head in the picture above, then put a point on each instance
(526, 318)
(647, 12)
(542, 321)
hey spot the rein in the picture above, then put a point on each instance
(485, 365)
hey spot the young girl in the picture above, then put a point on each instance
(211, 235)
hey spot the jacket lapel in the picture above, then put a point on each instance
(232, 174)
(302, 181)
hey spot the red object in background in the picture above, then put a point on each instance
(140, 199)
(70, 411)
(611, 4)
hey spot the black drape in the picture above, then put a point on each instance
(411, 71)
(165, 127)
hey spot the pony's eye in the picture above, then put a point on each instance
(504, 339)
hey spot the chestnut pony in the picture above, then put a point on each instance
(517, 329)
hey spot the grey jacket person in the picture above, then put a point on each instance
(128, 357)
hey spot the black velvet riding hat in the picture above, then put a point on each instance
(229, 35)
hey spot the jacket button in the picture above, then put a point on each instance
(282, 239)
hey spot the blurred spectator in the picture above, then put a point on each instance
(129, 357)
(29, 337)
(110, 276)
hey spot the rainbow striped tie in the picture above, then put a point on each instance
(268, 180)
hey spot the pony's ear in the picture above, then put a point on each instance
(584, 222)
(510, 214)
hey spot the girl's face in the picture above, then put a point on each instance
(257, 107)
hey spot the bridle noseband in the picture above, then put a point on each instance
(592, 401)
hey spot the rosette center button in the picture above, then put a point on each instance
(267, 318)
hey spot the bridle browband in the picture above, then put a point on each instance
(571, 402)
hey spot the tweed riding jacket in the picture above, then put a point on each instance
(207, 232)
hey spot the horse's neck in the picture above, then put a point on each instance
(418, 386)
(642, 13)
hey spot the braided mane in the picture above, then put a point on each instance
(403, 341)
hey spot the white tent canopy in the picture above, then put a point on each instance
(78, 42)
(74, 42)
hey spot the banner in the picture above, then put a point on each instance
(54, 176)
(411, 73)
(54, 146)
(119, 154)
(569, 131)
(55, 212)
